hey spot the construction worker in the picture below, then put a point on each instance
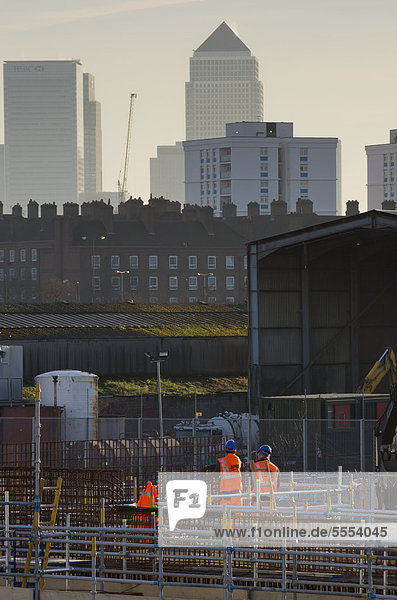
(230, 468)
(266, 472)
(148, 498)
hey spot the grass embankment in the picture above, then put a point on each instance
(62, 333)
(183, 387)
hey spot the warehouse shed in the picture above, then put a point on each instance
(323, 305)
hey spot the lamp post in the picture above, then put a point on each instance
(204, 276)
(159, 358)
(122, 273)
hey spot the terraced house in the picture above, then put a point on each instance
(145, 253)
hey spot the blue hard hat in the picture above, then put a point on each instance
(265, 449)
(230, 445)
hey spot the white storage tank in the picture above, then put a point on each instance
(77, 393)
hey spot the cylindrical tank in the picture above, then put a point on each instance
(77, 393)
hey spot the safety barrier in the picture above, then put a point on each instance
(126, 555)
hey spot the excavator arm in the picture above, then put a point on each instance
(385, 365)
(385, 428)
(385, 432)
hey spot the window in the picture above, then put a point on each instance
(134, 282)
(230, 283)
(96, 283)
(229, 262)
(303, 170)
(245, 261)
(22, 255)
(116, 283)
(304, 151)
(95, 262)
(173, 262)
(173, 283)
(153, 262)
(212, 262)
(12, 256)
(153, 300)
(22, 273)
(192, 283)
(133, 262)
(192, 299)
(211, 282)
(192, 262)
(230, 300)
(33, 274)
(115, 262)
(153, 283)
(1, 256)
(342, 416)
(34, 254)
(380, 409)
(263, 151)
(173, 300)
(11, 274)
(211, 299)
(1, 274)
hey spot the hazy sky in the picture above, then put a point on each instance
(326, 65)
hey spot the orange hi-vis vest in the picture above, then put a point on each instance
(148, 497)
(266, 473)
(230, 473)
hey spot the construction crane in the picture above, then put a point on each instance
(122, 181)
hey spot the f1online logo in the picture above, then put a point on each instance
(186, 499)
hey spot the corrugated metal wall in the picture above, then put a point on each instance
(327, 309)
(217, 356)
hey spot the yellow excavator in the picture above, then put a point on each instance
(385, 428)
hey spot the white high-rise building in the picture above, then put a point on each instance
(2, 173)
(224, 86)
(382, 172)
(261, 162)
(92, 139)
(167, 173)
(44, 133)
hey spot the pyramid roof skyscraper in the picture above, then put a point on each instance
(224, 85)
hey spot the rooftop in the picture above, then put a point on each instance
(223, 39)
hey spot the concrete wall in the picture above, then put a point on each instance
(189, 357)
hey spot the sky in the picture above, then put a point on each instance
(326, 65)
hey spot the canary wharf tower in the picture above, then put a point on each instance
(224, 86)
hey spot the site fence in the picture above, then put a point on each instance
(189, 444)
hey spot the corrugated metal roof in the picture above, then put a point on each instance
(111, 320)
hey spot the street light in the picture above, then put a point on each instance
(204, 276)
(159, 358)
(122, 282)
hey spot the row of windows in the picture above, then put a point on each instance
(23, 274)
(23, 255)
(210, 283)
(192, 300)
(153, 262)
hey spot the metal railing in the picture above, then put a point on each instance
(104, 555)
